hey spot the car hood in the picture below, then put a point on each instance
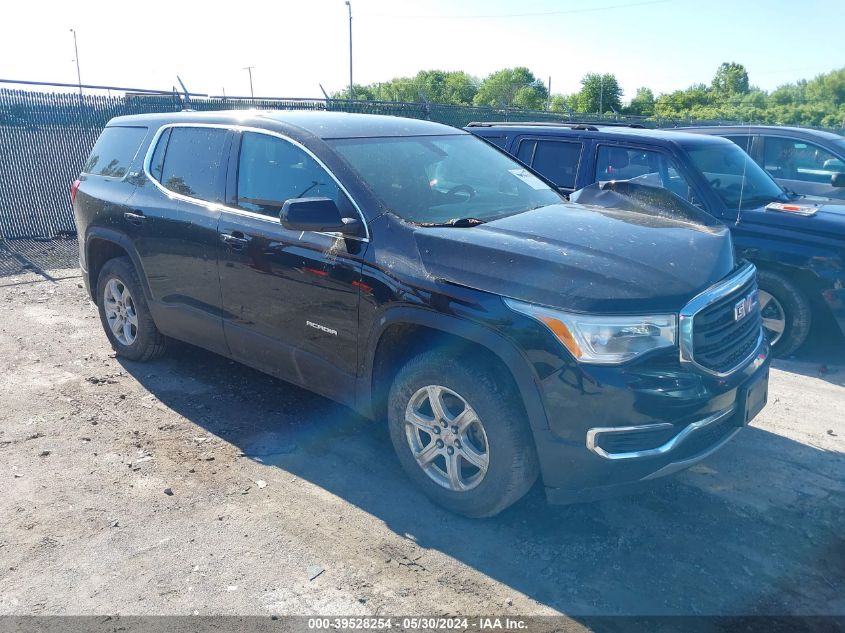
(824, 218)
(583, 258)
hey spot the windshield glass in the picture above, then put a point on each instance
(734, 176)
(435, 179)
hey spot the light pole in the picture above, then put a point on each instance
(76, 59)
(249, 70)
(349, 6)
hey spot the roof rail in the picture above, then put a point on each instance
(582, 125)
(638, 126)
(526, 123)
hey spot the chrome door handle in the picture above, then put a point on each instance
(235, 240)
(134, 217)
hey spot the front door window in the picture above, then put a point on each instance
(646, 167)
(272, 170)
(793, 159)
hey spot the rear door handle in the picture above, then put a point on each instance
(134, 217)
(234, 240)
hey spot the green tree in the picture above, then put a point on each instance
(435, 86)
(643, 103)
(819, 101)
(562, 103)
(731, 80)
(827, 88)
(599, 93)
(359, 93)
(789, 94)
(512, 87)
(680, 103)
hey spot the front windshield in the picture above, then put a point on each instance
(436, 179)
(734, 176)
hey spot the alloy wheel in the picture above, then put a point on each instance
(774, 317)
(120, 311)
(447, 438)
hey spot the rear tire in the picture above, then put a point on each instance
(124, 312)
(783, 304)
(492, 462)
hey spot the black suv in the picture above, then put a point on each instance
(797, 244)
(413, 272)
(808, 162)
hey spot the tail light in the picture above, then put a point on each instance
(73, 189)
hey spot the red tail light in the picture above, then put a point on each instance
(73, 189)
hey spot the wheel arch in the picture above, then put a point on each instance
(101, 245)
(807, 279)
(404, 332)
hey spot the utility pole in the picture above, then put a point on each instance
(549, 97)
(349, 6)
(76, 59)
(601, 95)
(249, 70)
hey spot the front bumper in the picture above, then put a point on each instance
(623, 427)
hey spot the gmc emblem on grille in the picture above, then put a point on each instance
(745, 306)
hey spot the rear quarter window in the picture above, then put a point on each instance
(114, 151)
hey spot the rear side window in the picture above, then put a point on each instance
(743, 141)
(191, 161)
(558, 161)
(114, 151)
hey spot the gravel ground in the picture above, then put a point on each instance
(195, 485)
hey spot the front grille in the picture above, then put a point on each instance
(720, 343)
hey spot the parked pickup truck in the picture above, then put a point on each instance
(411, 271)
(797, 244)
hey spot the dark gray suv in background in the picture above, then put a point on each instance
(807, 162)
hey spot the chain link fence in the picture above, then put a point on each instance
(46, 136)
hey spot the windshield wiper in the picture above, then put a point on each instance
(756, 201)
(460, 223)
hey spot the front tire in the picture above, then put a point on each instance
(124, 313)
(461, 435)
(786, 312)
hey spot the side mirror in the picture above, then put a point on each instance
(316, 214)
(838, 179)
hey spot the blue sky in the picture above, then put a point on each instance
(295, 45)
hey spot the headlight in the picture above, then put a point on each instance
(604, 339)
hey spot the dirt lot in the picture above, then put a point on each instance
(195, 485)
